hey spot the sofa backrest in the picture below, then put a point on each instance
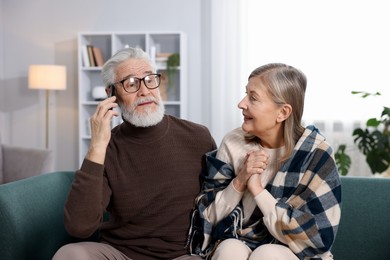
(1, 162)
(31, 216)
(22, 162)
(364, 231)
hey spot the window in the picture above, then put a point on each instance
(341, 46)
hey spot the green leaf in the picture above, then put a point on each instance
(386, 111)
(343, 160)
(378, 161)
(364, 140)
(373, 122)
(365, 94)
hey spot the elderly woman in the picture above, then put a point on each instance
(272, 190)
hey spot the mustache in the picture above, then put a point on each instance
(143, 100)
(131, 108)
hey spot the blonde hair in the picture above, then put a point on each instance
(285, 85)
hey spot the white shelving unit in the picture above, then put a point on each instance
(109, 43)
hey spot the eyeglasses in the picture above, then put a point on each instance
(132, 84)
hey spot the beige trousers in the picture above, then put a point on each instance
(97, 251)
(234, 249)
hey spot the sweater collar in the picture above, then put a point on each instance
(145, 134)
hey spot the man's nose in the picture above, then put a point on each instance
(143, 89)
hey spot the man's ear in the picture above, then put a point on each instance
(284, 113)
(110, 91)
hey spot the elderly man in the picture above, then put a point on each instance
(144, 172)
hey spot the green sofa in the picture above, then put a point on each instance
(31, 218)
(364, 231)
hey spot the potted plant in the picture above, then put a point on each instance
(373, 141)
(173, 62)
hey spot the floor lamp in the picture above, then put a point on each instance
(48, 77)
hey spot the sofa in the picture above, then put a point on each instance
(31, 218)
(364, 231)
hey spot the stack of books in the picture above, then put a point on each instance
(92, 56)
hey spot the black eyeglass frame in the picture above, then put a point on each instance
(139, 80)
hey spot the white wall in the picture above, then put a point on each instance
(45, 31)
(2, 114)
(341, 46)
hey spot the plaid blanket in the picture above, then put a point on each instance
(308, 203)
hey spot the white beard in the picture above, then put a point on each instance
(145, 118)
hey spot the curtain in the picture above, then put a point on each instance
(246, 34)
(227, 84)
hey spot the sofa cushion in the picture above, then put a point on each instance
(31, 216)
(364, 229)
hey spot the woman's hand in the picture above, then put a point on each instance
(101, 130)
(254, 164)
(254, 184)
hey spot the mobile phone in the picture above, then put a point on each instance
(112, 91)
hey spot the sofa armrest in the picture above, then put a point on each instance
(32, 216)
(20, 163)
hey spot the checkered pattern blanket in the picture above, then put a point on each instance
(308, 193)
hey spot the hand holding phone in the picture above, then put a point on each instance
(101, 127)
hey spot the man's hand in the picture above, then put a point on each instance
(101, 130)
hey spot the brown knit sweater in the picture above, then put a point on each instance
(148, 185)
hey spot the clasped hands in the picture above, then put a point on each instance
(249, 175)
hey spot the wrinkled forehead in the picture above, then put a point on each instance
(133, 67)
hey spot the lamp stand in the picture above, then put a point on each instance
(47, 120)
(47, 77)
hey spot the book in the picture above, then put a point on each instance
(153, 53)
(90, 56)
(84, 56)
(98, 55)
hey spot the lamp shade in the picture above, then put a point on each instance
(47, 77)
